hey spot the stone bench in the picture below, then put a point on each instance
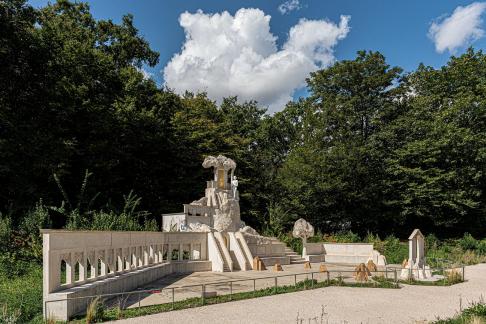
(345, 253)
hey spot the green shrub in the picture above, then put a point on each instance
(431, 242)
(378, 244)
(346, 237)
(482, 247)
(35, 219)
(467, 242)
(294, 243)
(95, 311)
(5, 232)
(394, 250)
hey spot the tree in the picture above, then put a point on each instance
(334, 167)
(437, 163)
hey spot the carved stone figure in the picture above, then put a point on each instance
(200, 202)
(303, 230)
(248, 230)
(227, 216)
(234, 186)
(198, 227)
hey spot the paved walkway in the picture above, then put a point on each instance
(341, 304)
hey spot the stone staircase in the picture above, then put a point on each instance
(226, 267)
(294, 257)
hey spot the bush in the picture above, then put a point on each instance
(394, 251)
(431, 242)
(5, 232)
(467, 242)
(294, 243)
(95, 311)
(481, 249)
(378, 244)
(35, 220)
(343, 237)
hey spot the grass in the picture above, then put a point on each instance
(476, 314)
(117, 313)
(440, 282)
(21, 296)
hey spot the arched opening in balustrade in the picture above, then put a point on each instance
(175, 255)
(89, 270)
(101, 267)
(126, 266)
(117, 266)
(77, 271)
(186, 251)
(63, 278)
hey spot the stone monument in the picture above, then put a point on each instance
(415, 267)
(219, 209)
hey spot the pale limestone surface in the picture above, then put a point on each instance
(344, 253)
(303, 229)
(416, 267)
(219, 209)
(353, 305)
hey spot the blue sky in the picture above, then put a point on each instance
(398, 29)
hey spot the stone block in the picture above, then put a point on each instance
(371, 266)
(361, 273)
(277, 267)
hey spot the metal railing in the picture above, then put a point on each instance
(310, 280)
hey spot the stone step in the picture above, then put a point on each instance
(297, 259)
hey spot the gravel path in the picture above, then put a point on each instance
(342, 305)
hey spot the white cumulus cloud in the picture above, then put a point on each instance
(459, 29)
(227, 55)
(288, 6)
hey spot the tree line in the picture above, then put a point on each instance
(371, 149)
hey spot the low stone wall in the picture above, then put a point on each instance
(64, 304)
(267, 249)
(346, 253)
(88, 259)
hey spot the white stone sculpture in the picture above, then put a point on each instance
(200, 202)
(303, 230)
(249, 230)
(415, 268)
(219, 208)
(198, 227)
(227, 216)
(219, 162)
(234, 186)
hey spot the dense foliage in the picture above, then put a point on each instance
(371, 149)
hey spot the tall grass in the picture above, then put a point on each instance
(21, 296)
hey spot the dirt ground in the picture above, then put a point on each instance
(340, 304)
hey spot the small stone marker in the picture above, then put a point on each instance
(255, 262)
(404, 263)
(361, 273)
(277, 267)
(307, 265)
(322, 268)
(371, 266)
(261, 265)
(258, 264)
